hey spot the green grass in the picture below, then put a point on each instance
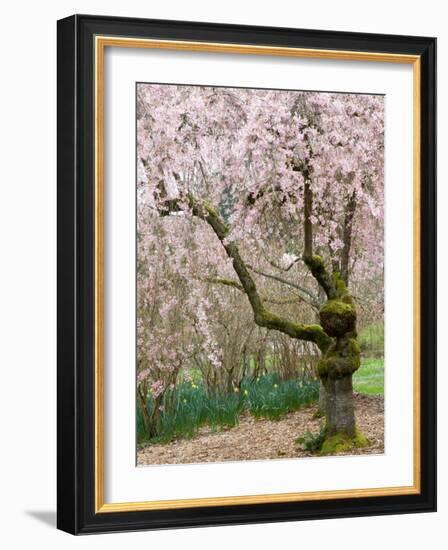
(370, 377)
(371, 340)
(266, 397)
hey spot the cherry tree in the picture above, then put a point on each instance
(260, 188)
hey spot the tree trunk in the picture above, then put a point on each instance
(322, 403)
(144, 410)
(339, 406)
(336, 368)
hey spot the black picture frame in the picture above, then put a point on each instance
(76, 286)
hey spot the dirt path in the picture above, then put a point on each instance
(260, 439)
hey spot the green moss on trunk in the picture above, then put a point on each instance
(336, 367)
(342, 442)
(338, 317)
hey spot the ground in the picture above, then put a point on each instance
(263, 439)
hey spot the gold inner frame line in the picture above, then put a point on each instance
(101, 42)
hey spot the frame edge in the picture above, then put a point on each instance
(67, 453)
(73, 516)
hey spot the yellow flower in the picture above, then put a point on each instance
(236, 390)
(275, 386)
(185, 400)
(193, 386)
(246, 392)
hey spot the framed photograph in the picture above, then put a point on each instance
(246, 274)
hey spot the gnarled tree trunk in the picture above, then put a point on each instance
(336, 368)
(322, 403)
(339, 406)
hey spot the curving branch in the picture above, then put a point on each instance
(262, 316)
(280, 268)
(222, 281)
(314, 262)
(235, 284)
(347, 236)
(314, 301)
(317, 267)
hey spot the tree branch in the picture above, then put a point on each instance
(347, 236)
(317, 267)
(314, 263)
(222, 281)
(235, 284)
(277, 266)
(307, 225)
(262, 316)
(314, 301)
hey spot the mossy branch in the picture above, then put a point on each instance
(347, 236)
(314, 263)
(309, 333)
(317, 267)
(262, 317)
(222, 281)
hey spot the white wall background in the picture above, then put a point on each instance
(28, 272)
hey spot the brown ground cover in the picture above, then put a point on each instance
(262, 439)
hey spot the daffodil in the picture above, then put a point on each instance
(236, 390)
(246, 392)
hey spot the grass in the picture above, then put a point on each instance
(265, 397)
(371, 340)
(370, 377)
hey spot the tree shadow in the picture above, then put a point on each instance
(48, 517)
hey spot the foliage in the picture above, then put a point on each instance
(312, 442)
(265, 397)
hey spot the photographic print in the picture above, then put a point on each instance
(260, 329)
(246, 272)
